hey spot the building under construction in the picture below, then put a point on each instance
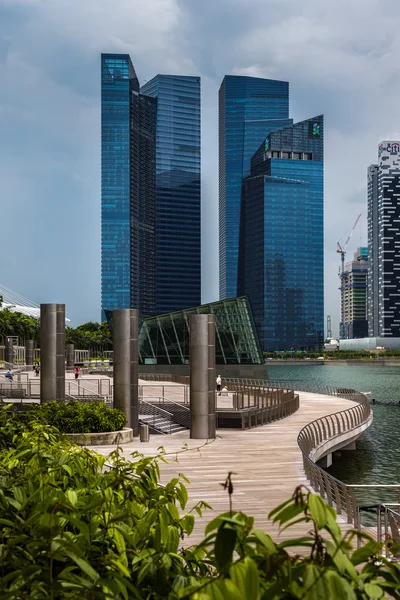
(353, 287)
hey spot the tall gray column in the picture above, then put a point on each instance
(202, 376)
(125, 365)
(60, 397)
(211, 377)
(70, 356)
(52, 352)
(9, 352)
(29, 352)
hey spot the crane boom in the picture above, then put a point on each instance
(351, 232)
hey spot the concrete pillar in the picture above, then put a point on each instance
(70, 356)
(351, 446)
(202, 376)
(325, 461)
(29, 353)
(9, 352)
(52, 352)
(60, 397)
(125, 365)
(211, 377)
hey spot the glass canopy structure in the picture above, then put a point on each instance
(165, 339)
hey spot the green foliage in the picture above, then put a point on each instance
(72, 529)
(18, 324)
(92, 336)
(77, 417)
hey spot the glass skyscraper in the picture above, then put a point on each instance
(281, 257)
(178, 191)
(249, 108)
(150, 189)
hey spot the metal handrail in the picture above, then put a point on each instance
(148, 409)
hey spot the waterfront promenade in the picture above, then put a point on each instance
(267, 463)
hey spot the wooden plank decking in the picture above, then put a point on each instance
(266, 460)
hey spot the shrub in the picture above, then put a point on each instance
(77, 417)
(72, 530)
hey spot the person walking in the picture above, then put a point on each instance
(9, 375)
(218, 380)
(76, 371)
(37, 370)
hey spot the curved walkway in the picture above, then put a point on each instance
(266, 460)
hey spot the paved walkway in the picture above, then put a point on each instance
(266, 461)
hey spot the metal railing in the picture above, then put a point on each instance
(155, 414)
(180, 412)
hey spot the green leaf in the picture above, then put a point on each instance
(373, 590)
(188, 522)
(216, 523)
(224, 547)
(339, 588)
(265, 540)
(245, 576)
(84, 566)
(363, 554)
(318, 510)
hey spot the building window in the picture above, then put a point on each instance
(275, 154)
(286, 154)
(307, 156)
(296, 155)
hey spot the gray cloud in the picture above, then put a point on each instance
(340, 59)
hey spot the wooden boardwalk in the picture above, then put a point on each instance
(266, 461)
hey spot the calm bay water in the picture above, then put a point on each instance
(377, 458)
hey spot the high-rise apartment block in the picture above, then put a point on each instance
(384, 242)
(178, 191)
(150, 190)
(281, 255)
(353, 288)
(249, 108)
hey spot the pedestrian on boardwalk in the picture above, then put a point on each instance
(76, 371)
(36, 370)
(218, 380)
(9, 375)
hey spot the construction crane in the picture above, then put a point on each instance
(342, 249)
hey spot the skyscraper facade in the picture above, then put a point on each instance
(281, 256)
(353, 321)
(128, 144)
(249, 108)
(384, 242)
(178, 191)
(150, 190)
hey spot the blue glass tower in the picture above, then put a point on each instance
(249, 108)
(128, 143)
(178, 209)
(281, 237)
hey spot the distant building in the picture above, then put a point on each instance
(281, 253)
(249, 108)
(128, 139)
(384, 242)
(354, 322)
(178, 191)
(150, 190)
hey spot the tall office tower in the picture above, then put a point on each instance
(128, 145)
(249, 108)
(178, 207)
(281, 254)
(384, 242)
(373, 237)
(353, 306)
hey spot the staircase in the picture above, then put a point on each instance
(159, 419)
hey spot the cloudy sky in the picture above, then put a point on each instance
(339, 57)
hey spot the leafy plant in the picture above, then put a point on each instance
(71, 527)
(77, 417)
